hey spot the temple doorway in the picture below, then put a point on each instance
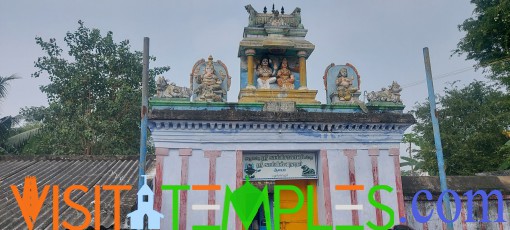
(288, 200)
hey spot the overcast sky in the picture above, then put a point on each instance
(383, 39)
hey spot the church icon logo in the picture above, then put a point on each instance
(145, 208)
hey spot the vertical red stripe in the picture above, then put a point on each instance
(239, 180)
(326, 187)
(463, 216)
(185, 154)
(158, 180)
(423, 210)
(351, 153)
(374, 154)
(212, 155)
(482, 224)
(211, 194)
(395, 152)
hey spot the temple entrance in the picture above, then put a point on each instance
(288, 200)
(298, 169)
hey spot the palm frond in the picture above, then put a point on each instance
(22, 138)
(5, 125)
(408, 159)
(4, 82)
(403, 164)
(9, 122)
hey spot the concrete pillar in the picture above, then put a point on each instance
(211, 197)
(395, 153)
(374, 155)
(185, 154)
(350, 154)
(161, 153)
(249, 56)
(302, 69)
(327, 187)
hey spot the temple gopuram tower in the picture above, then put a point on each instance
(277, 134)
(273, 37)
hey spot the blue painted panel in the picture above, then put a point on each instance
(297, 84)
(244, 78)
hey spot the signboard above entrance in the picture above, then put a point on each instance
(280, 166)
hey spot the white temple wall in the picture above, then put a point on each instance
(229, 144)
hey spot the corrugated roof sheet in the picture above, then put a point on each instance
(65, 171)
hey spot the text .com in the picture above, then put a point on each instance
(246, 201)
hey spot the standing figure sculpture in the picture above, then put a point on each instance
(265, 74)
(285, 78)
(209, 88)
(343, 85)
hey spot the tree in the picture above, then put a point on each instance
(21, 138)
(6, 123)
(4, 82)
(94, 95)
(416, 166)
(487, 38)
(471, 120)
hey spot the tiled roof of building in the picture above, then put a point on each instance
(65, 171)
(266, 116)
(495, 173)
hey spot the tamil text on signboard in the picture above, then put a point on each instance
(271, 166)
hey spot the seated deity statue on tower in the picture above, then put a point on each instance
(209, 88)
(344, 85)
(265, 74)
(285, 78)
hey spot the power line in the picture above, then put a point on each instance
(455, 72)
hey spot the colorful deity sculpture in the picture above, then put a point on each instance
(265, 74)
(342, 84)
(285, 78)
(208, 84)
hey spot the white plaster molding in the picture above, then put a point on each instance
(236, 125)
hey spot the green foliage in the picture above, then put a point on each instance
(487, 38)
(20, 130)
(34, 114)
(6, 123)
(505, 150)
(22, 136)
(4, 82)
(471, 120)
(416, 165)
(94, 95)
